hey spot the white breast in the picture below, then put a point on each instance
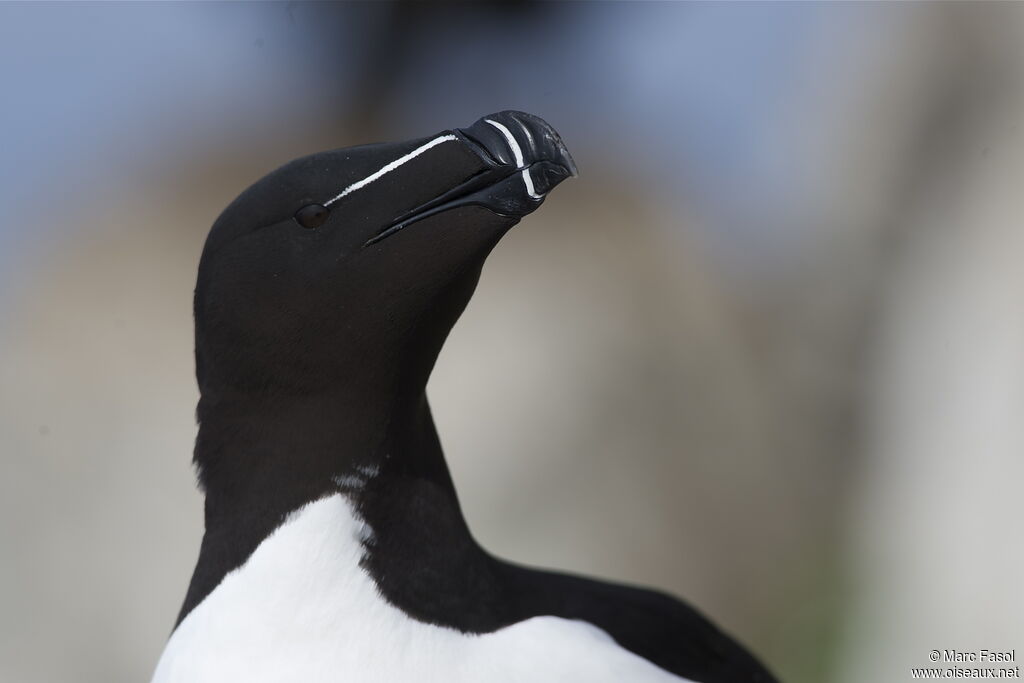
(302, 609)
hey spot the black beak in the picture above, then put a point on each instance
(533, 140)
(524, 157)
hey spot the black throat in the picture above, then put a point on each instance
(259, 459)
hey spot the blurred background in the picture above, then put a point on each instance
(771, 341)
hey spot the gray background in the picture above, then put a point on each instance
(770, 341)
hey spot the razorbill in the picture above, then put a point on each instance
(335, 549)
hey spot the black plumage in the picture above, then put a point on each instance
(320, 310)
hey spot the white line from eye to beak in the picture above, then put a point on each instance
(390, 167)
(517, 154)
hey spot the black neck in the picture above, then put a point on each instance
(261, 458)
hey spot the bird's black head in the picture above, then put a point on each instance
(349, 267)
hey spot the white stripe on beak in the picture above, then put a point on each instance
(517, 154)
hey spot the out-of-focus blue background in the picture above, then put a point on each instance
(766, 353)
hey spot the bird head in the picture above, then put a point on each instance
(349, 267)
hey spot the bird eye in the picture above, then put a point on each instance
(312, 216)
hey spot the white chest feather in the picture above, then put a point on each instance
(302, 609)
